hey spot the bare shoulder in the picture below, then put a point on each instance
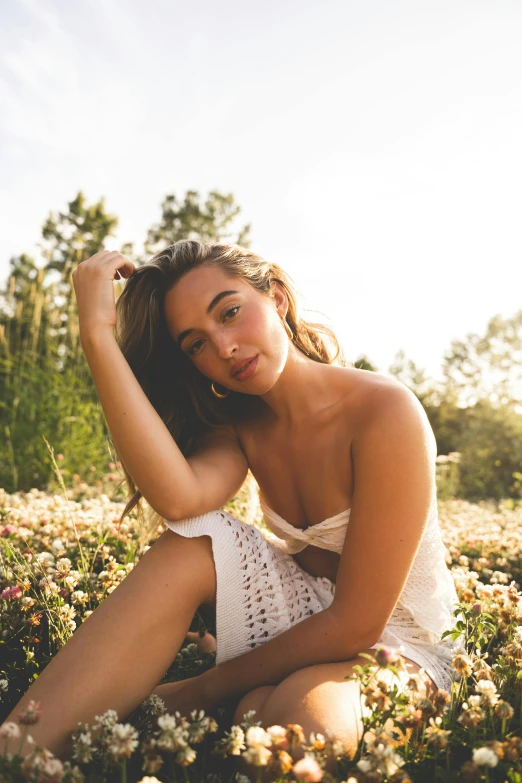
(382, 399)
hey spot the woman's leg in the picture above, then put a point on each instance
(319, 697)
(118, 655)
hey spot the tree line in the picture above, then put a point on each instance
(47, 393)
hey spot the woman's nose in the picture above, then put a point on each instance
(225, 345)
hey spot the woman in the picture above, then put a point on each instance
(205, 370)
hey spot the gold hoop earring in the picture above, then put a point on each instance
(217, 394)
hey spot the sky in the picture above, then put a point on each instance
(375, 147)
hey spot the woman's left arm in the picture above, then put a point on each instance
(394, 459)
(394, 455)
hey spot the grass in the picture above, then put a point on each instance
(62, 552)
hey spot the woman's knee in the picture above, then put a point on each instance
(321, 706)
(253, 700)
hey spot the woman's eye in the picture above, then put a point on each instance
(193, 348)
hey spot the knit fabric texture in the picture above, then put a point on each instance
(262, 591)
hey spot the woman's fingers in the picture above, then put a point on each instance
(93, 283)
(122, 265)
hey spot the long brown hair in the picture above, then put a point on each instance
(180, 394)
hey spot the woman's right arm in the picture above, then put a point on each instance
(174, 486)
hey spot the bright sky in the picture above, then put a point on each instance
(374, 146)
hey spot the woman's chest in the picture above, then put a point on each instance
(305, 479)
(305, 476)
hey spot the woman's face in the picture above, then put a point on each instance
(221, 322)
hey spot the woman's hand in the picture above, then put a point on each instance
(185, 696)
(93, 282)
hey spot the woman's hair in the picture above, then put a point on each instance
(181, 394)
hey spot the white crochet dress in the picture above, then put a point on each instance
(262, 591)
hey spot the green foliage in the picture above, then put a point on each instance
(47, 392)
(63, 569)
(491, 452)
(46, 389)
(476, 411)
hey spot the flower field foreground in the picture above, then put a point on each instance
(61, 556)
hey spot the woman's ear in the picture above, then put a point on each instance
(278, 293)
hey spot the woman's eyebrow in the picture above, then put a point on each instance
(216, 300)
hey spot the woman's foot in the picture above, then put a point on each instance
(205, 642)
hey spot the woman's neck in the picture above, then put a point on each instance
(303, 389)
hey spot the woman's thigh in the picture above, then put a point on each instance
(320, 697)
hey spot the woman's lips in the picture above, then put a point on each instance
(248, 371)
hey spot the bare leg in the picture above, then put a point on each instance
(119, 654)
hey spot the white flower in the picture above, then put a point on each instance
(48, 585)
(186, 756)
(236, 741)
(167, 722)
(105, 721)
(53, 770)
(4, 685)
(257, 755)
(58, 544)
(485, 757)
(197, 732)
(149, 779)
(381, 758)
(486, 686)
(123, 742)
(67, 612)
(154, 705)
(82, 750)
(45, 558)
(79, 597)
(258, 736)
(276, 733)
(9, 730)
(172, 736)
(307, 769)
(71, 580)
(488, 692)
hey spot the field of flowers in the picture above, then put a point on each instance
(62, 552)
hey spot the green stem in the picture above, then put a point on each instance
(24, 735)
(457, 698)
(492, 719)
(123, 771)
(203, 756)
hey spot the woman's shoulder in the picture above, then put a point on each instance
(364, 395)
(366, 390)
(380, 398)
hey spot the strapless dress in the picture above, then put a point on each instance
(262, 591)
